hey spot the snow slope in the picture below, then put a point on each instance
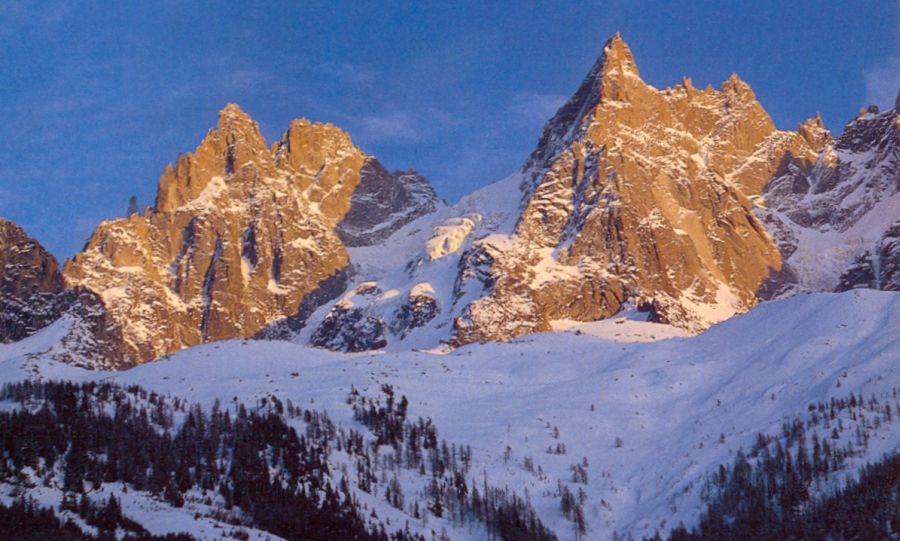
(680, 406)
(423, 255)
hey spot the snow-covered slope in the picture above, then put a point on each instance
(418, 266)
(649, 420)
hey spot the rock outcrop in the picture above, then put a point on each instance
(878, 268)
(241, 234)
(383, 202)
(349, 326)
(30, 283)
(33, 295)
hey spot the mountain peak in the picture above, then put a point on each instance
(814, 132)
(232, 118)
(735, 86)
(232, 110)
(613, 76)
(614, 63)
(617, 57)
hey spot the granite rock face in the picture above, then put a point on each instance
(240, 235)
(383, 202)
(633, 194)
(30, 283)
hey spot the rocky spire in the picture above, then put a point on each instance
(814, 132)
(234, 144)
(613, 74)
(735, 86)
(243, 238)
(628, 190)
(321, 155)
(617, 59)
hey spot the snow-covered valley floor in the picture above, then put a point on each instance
(650, 419)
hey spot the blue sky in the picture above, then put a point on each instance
(96, 99)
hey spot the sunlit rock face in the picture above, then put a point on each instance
(636, 194)
(240, 235)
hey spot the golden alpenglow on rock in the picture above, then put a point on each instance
(240, 235)
(637, 194)
(686, 203)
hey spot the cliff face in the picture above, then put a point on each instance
(240, 235)
(635, 194)
(30, 282)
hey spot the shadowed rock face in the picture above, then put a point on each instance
(637, 194)
(32, 296)
(417, 311)
(29, 284)
(878, 268)
(837, 212)
(827, 195)
(384, 202)
(352, 328)
(240, 235)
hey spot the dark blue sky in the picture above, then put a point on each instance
(96, 99)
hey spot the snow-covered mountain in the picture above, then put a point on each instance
(686, 203)
(575, 333)
(637, 428)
